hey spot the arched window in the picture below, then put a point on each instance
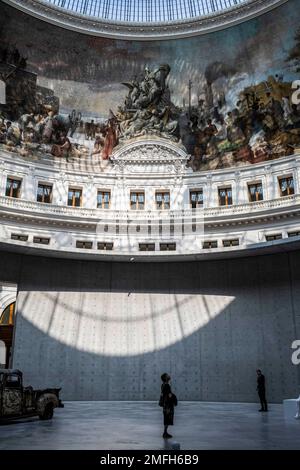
(2, 354)
(2, 92)
(7, 317)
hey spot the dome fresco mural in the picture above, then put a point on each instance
(229, 98)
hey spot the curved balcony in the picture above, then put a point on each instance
(242, 211)
(119, 232)
(149, 235)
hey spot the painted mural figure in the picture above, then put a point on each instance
(110, 139)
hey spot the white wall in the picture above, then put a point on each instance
(109, 330)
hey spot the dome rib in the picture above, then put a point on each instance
(141, 11)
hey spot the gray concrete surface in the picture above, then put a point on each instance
(106, 331)
(138, 425)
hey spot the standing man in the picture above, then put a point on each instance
(167, 401)
(261, 389)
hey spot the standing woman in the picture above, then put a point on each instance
(167, 401)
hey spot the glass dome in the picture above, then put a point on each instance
(141, 11)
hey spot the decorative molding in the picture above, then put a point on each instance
(65, 225)
(143, 166)
(48, 212)
(145, 31)
(8, 295)
(160, 155)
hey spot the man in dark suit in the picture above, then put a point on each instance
(261, 389)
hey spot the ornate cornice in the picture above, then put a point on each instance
(138, 155)
(145, 31)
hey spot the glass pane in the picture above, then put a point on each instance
(145, 10)
(283, 185)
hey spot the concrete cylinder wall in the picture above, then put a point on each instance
(106, 331)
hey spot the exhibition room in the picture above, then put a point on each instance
(149, 225)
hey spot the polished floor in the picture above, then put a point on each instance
(138, 425)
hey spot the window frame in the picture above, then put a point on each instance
(148, 246)
(9, 311)
(163, 192)
(137, 193)
(294, 234)
(255, 184)
(13, 180)
(74, 189)
(273, 237)
(41, 240)
(168, 246)
(198, 204)
(107, 246)
(103, 192)
(86, 244)
(209, 242)
(287, 178)
(19, 237)
(44, 185)
(225, 188)
(231, 242)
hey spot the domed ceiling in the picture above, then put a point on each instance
(145, 19)
(145, 10)
(229, 98)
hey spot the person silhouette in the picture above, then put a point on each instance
(261, 389)
(167, 402)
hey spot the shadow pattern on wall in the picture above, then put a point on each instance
(104, 331)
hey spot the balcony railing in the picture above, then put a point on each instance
(140, 216)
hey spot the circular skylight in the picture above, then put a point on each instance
(141, 11)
